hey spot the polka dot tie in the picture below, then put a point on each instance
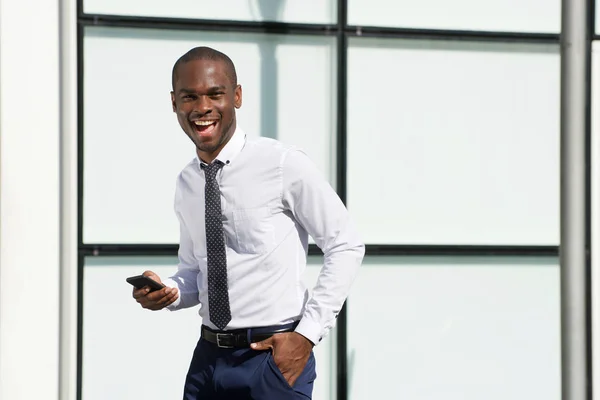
(218, 296)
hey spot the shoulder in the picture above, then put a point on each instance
(270, 145)
(293, 160)
(269, 149)
(188, 171)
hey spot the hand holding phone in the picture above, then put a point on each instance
(150, 292)
(141, 281)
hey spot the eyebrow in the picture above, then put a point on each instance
(210, 90)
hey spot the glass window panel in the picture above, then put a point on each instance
(305, 11)
(541, 16)
(151, 340)
(459, 329)
(134, 147)
(463, 140)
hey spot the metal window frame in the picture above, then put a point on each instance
(342, 31)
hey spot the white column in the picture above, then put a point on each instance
(29, 199)
(68, 200)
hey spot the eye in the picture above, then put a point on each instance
(188, 97)
(216, 96)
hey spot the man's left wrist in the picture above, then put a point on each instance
(307, 340)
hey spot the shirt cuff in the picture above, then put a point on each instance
(172, 284)
(310, 330)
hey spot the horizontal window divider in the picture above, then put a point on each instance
(162, 249)
(313, 250)
(126, 21)
(130, 249)
(460, 250)
(443, 34)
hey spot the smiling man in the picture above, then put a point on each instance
(246, 208)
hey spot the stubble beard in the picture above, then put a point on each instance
(226, 134)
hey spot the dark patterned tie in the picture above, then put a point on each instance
(218, 295)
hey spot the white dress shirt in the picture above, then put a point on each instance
(272, 198)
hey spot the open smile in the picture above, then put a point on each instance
(205, 128)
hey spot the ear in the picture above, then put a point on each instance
(237, 96)
(173, 102)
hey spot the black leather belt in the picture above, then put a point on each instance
(243, 337)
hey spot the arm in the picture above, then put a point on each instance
(317, 207)
(181, 289)
(186, 277)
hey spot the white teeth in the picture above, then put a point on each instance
(204, 123)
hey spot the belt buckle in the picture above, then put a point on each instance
(222, 346)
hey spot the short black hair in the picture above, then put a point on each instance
(206, 53)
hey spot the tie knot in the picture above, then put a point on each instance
(211, 169)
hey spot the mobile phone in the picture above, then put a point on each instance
(140, 281)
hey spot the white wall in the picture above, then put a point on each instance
(29, 199)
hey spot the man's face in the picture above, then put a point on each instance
(205, 100)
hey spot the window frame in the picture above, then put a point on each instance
(342, 32)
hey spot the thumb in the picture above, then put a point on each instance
(264, 345)
(152, 276)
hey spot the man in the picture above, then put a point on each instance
(246, 208)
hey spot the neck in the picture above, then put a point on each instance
(209, 157)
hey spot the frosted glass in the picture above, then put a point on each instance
(134, 147)
(461, 141)
(305, 11)
(124, 344)
(455, 329)
(541, 16)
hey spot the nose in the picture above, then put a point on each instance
(203, 105)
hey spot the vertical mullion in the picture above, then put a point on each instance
(574, 257)
(80, 182)
(342, 81)
(591, 4)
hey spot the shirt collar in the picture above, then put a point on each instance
(231, 149)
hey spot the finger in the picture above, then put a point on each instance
(143, 301)
(172, 300)
(263, 345)
(291, 380)
(167, 298)
(146, 301)
(162, 303)
(150, 305)
(159, 299)
(289, 372)
(152, 276)
(138, 293)
(158, 294)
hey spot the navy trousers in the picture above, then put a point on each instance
(242, 374)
